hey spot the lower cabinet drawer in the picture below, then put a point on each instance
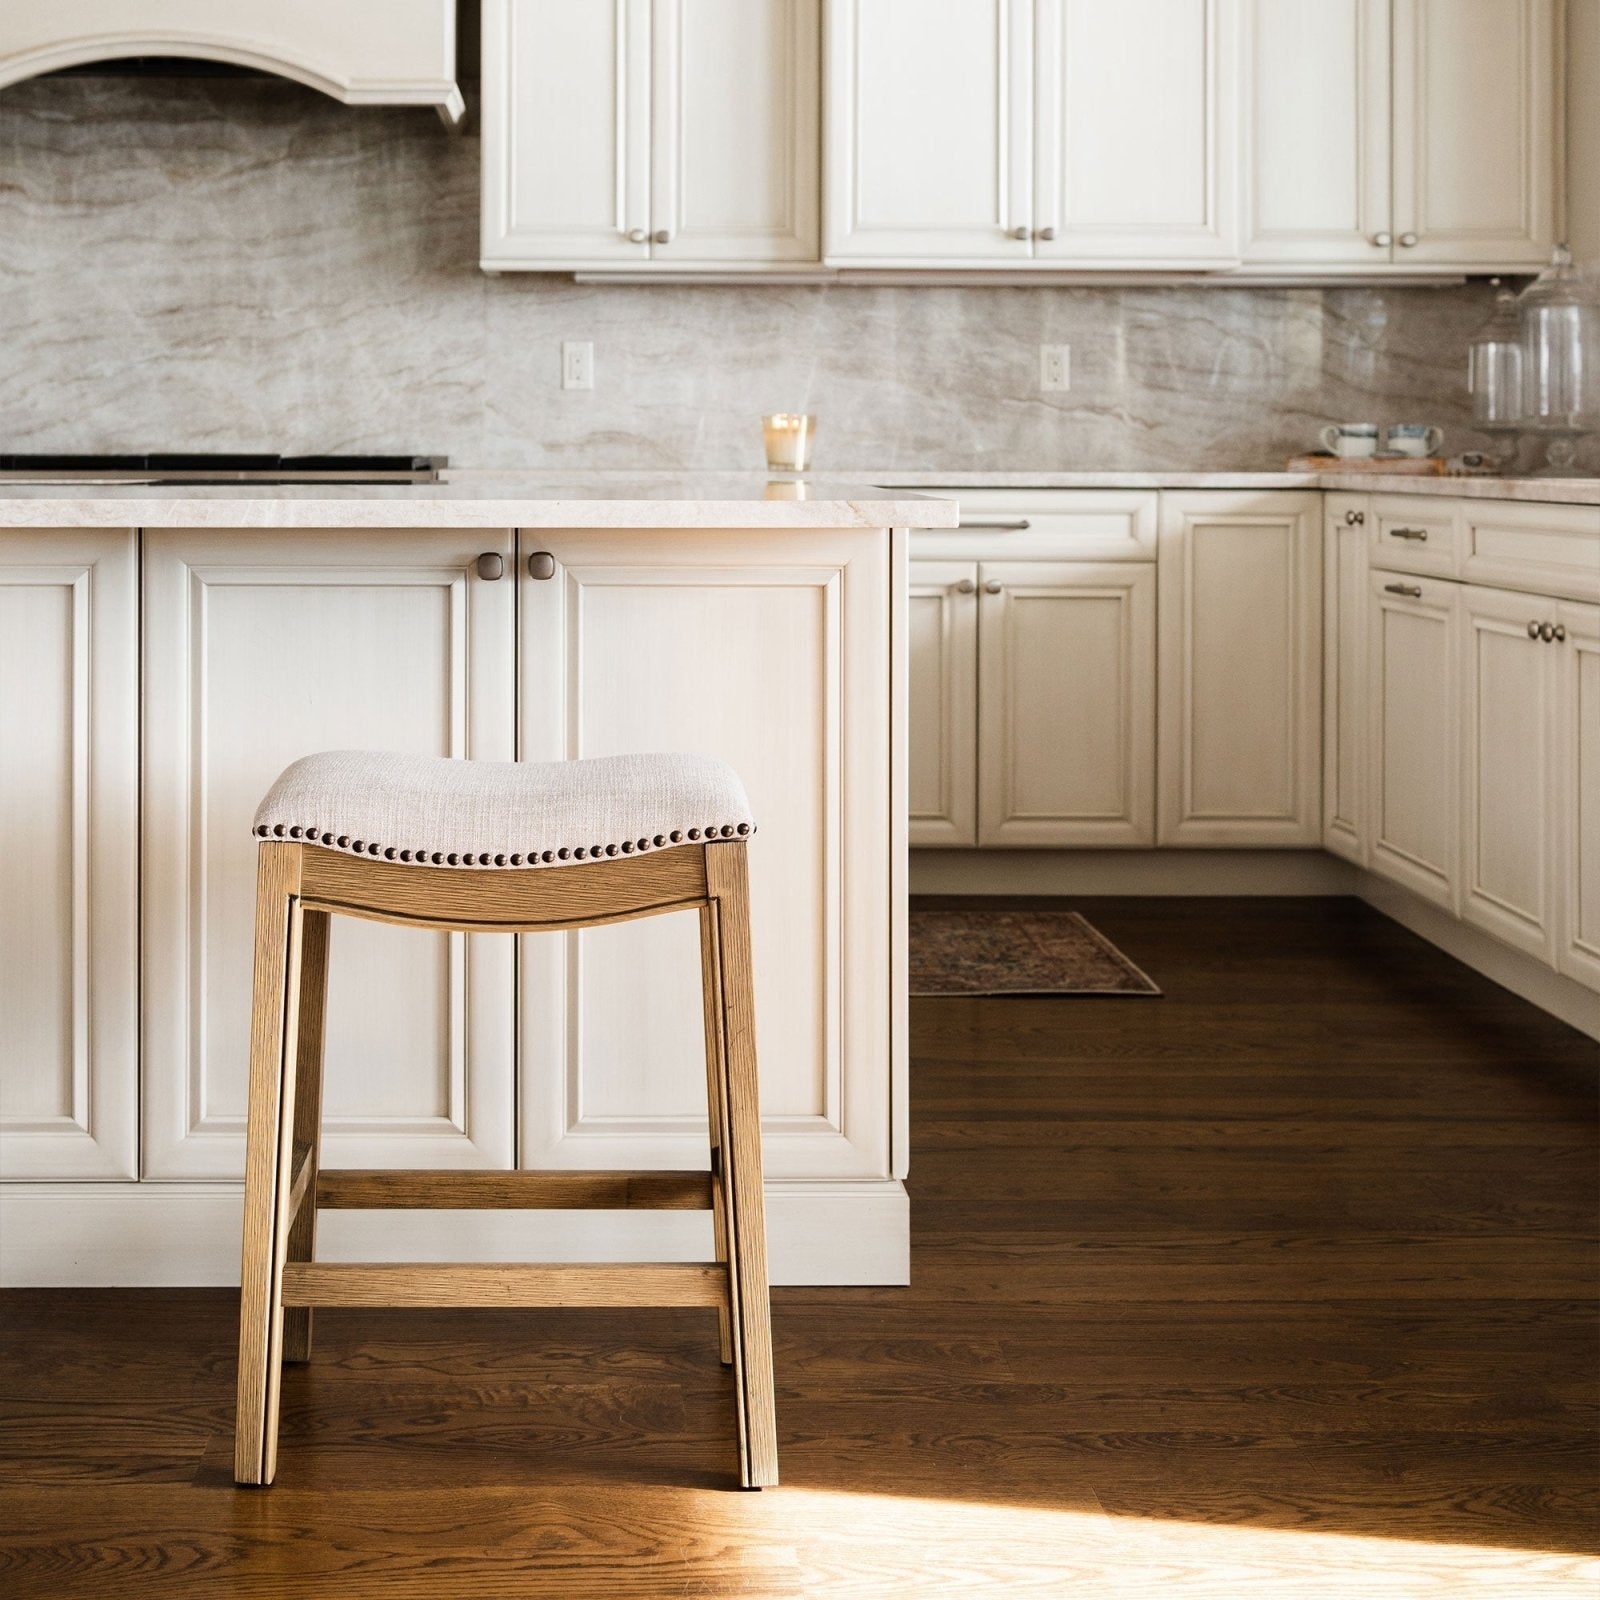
(1410, 534)
(1539, 549)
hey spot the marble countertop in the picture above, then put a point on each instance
(472, 500)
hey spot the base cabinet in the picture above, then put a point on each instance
(261, 647)
(69, 819)
(1344, 678)
(943, 639)
(1240, 652)
(1577, 713)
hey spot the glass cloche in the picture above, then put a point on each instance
(1560, 313)
(1494, 375)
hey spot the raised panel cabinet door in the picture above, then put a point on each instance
(1414, 739)
(929, 116)
(69, 861)
(943, 633)
(735, 107)
(1066, 703)
(1317, 146)
(1475, 105)
(566, 134)
(1344, 677)
(1508, 768)
(1577, 808)
(261, 647)
(767, 650)
(1239, 738)
(1135, 152)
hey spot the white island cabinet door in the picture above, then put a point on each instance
(69, 865)
(1135, 150)
(943, 781)
(767, 649)
(1067, 703)
(1317, 133)
(1578, 805)
(1508, 777)
(929, 132)
(734, 117)
(1240, 720)
(566, 134)
(1475, 167)
(261, 647)
(1414, 733)
(1344, 676)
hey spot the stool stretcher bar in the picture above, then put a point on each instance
(512, 1283)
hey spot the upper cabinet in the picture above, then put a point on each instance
(364, 52)
(1401, 135)
(1054, 133)
(639, 134)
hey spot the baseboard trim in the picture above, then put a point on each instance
(1130, 872)
(161, 1235)
(1525, 977)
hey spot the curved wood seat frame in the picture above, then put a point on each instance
(298, 888)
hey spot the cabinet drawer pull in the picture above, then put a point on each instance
(491, 566)
(966, 586)
(1409, 533)
(541, 564)
(1354, 519)
(1403, 588)
(993, 525)
(993, 586)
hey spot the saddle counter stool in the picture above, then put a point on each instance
(512, 848)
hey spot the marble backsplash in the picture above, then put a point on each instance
(235, 264)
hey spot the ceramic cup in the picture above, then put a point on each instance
(1351, 439)
(1413, 439)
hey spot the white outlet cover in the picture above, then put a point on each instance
(577, 364)
(1055, 368)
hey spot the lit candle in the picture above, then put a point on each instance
(788, 436)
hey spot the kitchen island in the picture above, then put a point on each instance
(165, 651)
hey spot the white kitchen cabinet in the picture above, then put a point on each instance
(1135, 143)
(982, 133)
(1577, 709)
(1401, 134)
(69, 816)
(1239, 735)
(771, 656)
(1475, 165)
(650, 134)
(1344, 677)
(1066, 703)
(943, 781)
(261, 647)
(1509, 783)
(1413, 737)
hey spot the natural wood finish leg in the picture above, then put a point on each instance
(727, 885)
(711, 992)
(269, 1153)
(302, 1246)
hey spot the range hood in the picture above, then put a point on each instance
(363, 52)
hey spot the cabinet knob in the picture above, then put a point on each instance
(1559, 633)
(993, 586)
(966, 586)
(1019, 233)
(1383, 240)
(638, 236)
(662, 236)
(1354, 519)
(491, 566)
(541, 565)
(1533, 630)
(1408, 240)
(1547, 631)
(1045, 233)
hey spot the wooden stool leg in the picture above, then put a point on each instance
(711, 991)
(307, 1115)
(269, 1152)
(727, 885)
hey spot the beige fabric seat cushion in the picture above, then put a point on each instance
(433, 811)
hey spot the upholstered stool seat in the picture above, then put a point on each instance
(433, 811)
(437, 843)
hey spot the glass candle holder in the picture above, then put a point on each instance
(788, 436)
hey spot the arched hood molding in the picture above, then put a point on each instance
(361, 52)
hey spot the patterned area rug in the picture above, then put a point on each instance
(1017, 952)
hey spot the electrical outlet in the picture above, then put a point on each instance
(1055, 368)
(577, 364)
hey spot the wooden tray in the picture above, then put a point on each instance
(1409, 466)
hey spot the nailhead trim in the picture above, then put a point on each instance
(531, 858)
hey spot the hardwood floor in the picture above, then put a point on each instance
(1283, 1285)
